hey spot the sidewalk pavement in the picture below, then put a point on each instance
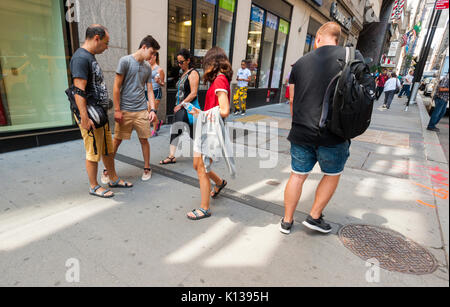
(141, 237)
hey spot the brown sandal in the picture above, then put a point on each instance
(171, 161)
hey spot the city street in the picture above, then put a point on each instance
(320, 184)
(141, 237)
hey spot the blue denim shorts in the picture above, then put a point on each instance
(331, 159)
(158, 93)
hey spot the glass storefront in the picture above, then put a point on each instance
(254, 42)
(279, 53)
(225, 24)
(268, 42)
(313, 27)
(213, 24)
(266, 45)
(33, 66)
(203, 33)
(180, 23)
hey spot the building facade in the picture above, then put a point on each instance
(38, 39)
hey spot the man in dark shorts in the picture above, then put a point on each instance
(309, 145)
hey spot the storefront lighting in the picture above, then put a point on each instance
(209, 30)
(187, 23)
(249, 42)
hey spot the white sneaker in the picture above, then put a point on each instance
(147, 176)
(105, 178)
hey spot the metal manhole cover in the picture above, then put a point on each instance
(392, 250)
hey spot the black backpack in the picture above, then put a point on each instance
(352, 93)
(96, 113)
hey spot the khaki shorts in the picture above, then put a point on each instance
(100, 135)
(133, 120)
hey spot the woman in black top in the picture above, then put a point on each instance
(187, 90)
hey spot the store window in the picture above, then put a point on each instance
(208, 15)
(283, 32)
(254, 41)
(33, 66)
(180, 23)
(225, 24)
(267, 51)
(313, 27)
(266, 47)
(203, 33)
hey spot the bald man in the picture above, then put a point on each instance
(309, 80)
(88, 78)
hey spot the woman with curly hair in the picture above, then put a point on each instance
(218, 72)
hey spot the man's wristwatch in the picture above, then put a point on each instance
(152, 110)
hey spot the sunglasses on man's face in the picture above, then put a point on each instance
(180, 62)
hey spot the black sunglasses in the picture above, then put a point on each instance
(180, 62)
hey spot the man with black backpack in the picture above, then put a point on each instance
(314, 78)
(91, 98)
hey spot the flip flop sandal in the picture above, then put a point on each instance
(163, 162)
(206, 213)
(224, 184)
(93, 191)
(117, 184)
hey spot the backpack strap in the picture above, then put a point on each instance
(349, 57)
(326, 101)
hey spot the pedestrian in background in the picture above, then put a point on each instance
(309, 145)
(440, 104)
(391, 87)
(187, 91)
(88, 78)
(407, 83)
(240, 97)
(158, 78)
(381, 80)
(219, 73)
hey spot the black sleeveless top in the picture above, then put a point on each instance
(184, 87)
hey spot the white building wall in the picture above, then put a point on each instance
(150, 18)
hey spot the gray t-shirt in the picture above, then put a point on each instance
(136, 76)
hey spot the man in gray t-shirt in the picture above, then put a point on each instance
(135, 77)
(132, 111)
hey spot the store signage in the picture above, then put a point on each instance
(393, 49)
(73, 11)
(284, 27)
(442, 4)
(257, 14)
(228, 5)
(272, 21)
(337, 14)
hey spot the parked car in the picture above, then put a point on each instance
(425, 82)
(429, 87)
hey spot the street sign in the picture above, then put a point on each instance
(393, 49)
(442, 4)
